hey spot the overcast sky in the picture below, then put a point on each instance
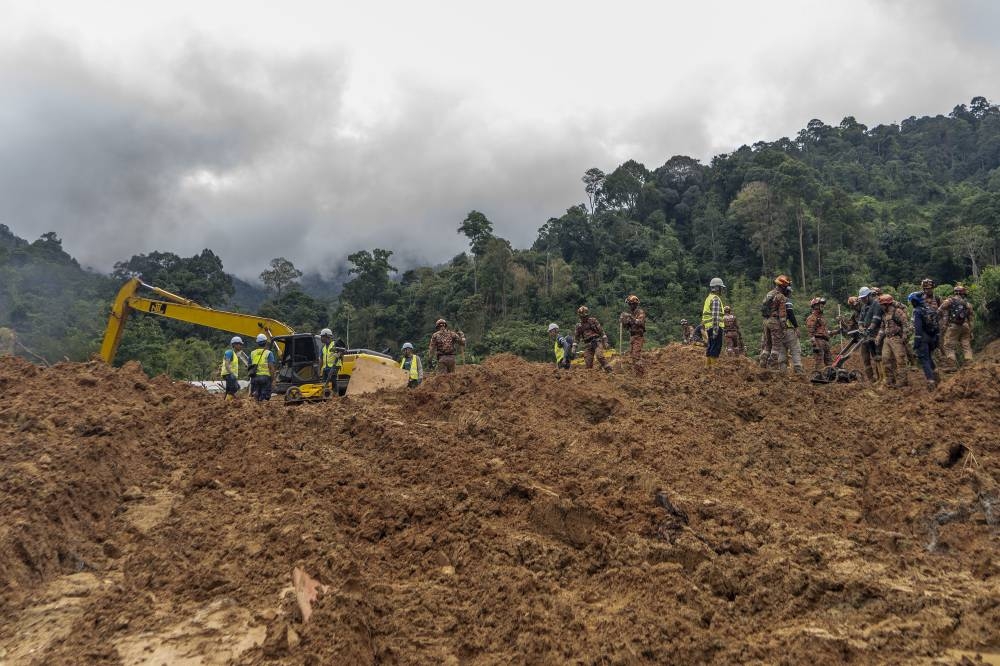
(310, 130)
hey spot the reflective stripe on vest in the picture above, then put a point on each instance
(706, 312)
(231, 367)
(560, 352)
(258, 357)
(413, 369)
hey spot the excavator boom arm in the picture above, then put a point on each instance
(180, 309)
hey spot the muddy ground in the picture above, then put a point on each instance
(508, 513)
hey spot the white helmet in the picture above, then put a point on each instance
(716, 282)
(237, 340)
(407, 345)
(864, 291)
(327, 332)
(261, 338)
(553, 327)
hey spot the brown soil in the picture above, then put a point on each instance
(508, 513)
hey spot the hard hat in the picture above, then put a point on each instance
(237, 340)
(886, 299)
(407, 345)
(782, 281)
(583, 311)
(817, 301)
(927, 282)
(632, 299)
(916, 297)
(553, 327)
(716, 282)
(327, 332)
(439, 323)
(683, 321)
(959, 288)
(852, 300)
(727, 309)
(877, 291)
(864, 292)
(261, 338)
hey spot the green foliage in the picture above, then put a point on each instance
(280, 276)
(200, 278)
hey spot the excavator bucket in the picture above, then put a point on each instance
(373, 373)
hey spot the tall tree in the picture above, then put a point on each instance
(593, 181)
(281, 275)
(479, 230)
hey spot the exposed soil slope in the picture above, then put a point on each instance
(505, 514)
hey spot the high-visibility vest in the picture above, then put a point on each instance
(706, 312)
(560, 351)
(330, 359)
(259, 358)
(413, 368)
(230, 363)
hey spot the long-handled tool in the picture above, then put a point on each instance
(836, 372)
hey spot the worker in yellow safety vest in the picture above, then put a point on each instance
(333, 358)
(261, 368)
(562, 346)
(411, 363)
(712, 321)
(230, 370)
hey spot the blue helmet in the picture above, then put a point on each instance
(916, 298)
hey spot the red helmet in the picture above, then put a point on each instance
(782, 281)
(886, 299)
(852, 301)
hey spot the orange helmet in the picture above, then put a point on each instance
(817, 301)
(782, 281)
(583, 311)
(959, 288)
(886, 299)
(852, 301)
(439, 323)
(632, 299)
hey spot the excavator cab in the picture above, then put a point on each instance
(300, 375)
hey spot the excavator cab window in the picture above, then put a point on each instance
(300, 359)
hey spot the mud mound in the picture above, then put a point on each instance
(507, 513)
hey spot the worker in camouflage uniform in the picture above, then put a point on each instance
(734, 337)
(444, 343)
(932, 301)
(956, 314)
(892, 336)
(634, 321)
(925, 340)
(819, 334)
(792, 343)
(687, 332)
(590, 332)
(870, 322)
(776, 320)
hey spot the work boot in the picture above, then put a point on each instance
(799, 370)
(931, 385)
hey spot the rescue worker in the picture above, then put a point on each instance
(634, 321)
(849, 321)
(443, 344)
(230, 370)
(892, 336)
(712, 322)
(819, 334)
(925, 335)
(734, 338)
(776, 320)
(956, 314)
(333, 358)
(562, 346)
(792, 344)
(262, 367)
(687, 332)
(870, 323)
(933, 302)
(411, 363)
(594, 339)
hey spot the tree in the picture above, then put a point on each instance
(479, 230)
(593, 181)
(371, 284)
(200, 277)
(281, 275)
(971, 242)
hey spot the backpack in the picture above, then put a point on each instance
(959, 311)
(767, 305)
(931, 325)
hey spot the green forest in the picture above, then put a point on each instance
(834, 207)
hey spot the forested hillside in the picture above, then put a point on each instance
(835, 207)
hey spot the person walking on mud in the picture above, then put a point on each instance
(595, 340)
(562, 347)
(444, 342)
(711, 320)
(634, 321)
(956, 311)
(925, 336)
(819, 334)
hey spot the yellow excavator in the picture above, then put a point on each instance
(299, 376)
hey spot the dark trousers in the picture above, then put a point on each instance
(924, 350)
(232, 385)
(260, 387)
(714, 347)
